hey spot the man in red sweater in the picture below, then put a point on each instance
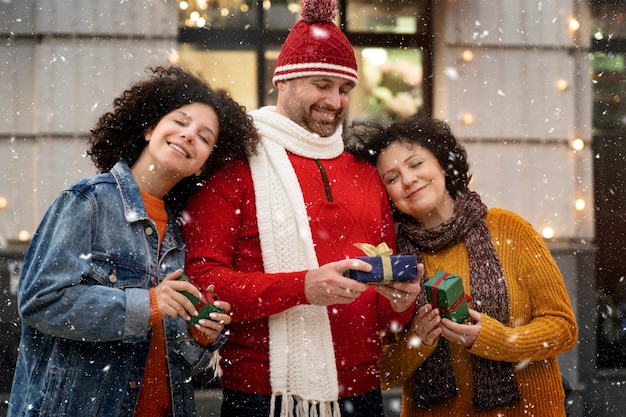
(276, 234)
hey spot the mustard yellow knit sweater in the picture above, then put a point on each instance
(541, 326)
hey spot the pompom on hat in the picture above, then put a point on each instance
(316, 46)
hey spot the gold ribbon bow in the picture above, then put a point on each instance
(384, 252)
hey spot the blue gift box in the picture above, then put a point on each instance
(403, 268)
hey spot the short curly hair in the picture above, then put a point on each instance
(119, 134)
(368, 139)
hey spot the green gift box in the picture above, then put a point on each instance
(445, 292)
(204, 306)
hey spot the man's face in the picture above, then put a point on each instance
(317, 103)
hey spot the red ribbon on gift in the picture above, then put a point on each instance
(456, 304)
(436, 299)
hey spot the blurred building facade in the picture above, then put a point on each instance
(514, 79)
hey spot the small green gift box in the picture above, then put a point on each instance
(204, 306)
(445, 292)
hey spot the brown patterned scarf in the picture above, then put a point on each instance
(494, 381)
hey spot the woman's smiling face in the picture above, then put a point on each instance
(183, 139)
(415, 182)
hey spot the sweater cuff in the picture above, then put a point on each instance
(414, 343)
(155, 314)
(200, 337)
(491, 341)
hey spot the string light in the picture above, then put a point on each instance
(579, 204)
(23, 236)
(468, 119)
(201, 13)
(293, 7)
(173, 58)
(574, 24)
(547, 232)
(3, 202)
(467, 55)
(578, 144)
(562, 85)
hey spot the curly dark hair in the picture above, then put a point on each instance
(367, 140)
(119, 134)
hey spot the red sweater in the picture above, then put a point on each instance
(223, 248)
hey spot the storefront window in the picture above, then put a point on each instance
(216, 13)
(608, 60)
(392, 80)
(383, 16)
(609, 20)
(281, 14)
(217, 67)
(237, 42)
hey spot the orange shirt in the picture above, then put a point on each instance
(154, 396)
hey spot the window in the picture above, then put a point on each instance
(608, 60)
(235, 44)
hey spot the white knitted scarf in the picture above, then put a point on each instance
(302, 358)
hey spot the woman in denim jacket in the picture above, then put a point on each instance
(104, 322)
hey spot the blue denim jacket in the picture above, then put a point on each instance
(84, 302)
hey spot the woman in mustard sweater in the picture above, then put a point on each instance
(503, 360)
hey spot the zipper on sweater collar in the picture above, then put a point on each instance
(329, 195)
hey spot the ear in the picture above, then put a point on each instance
(148, 134)
(199, 172)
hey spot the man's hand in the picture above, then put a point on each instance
(327, 285)
(402, 294)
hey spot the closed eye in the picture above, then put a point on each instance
(390, 178)
(203, 138)
(179, 120)
(207, 136)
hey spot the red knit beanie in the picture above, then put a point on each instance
(316, 46)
